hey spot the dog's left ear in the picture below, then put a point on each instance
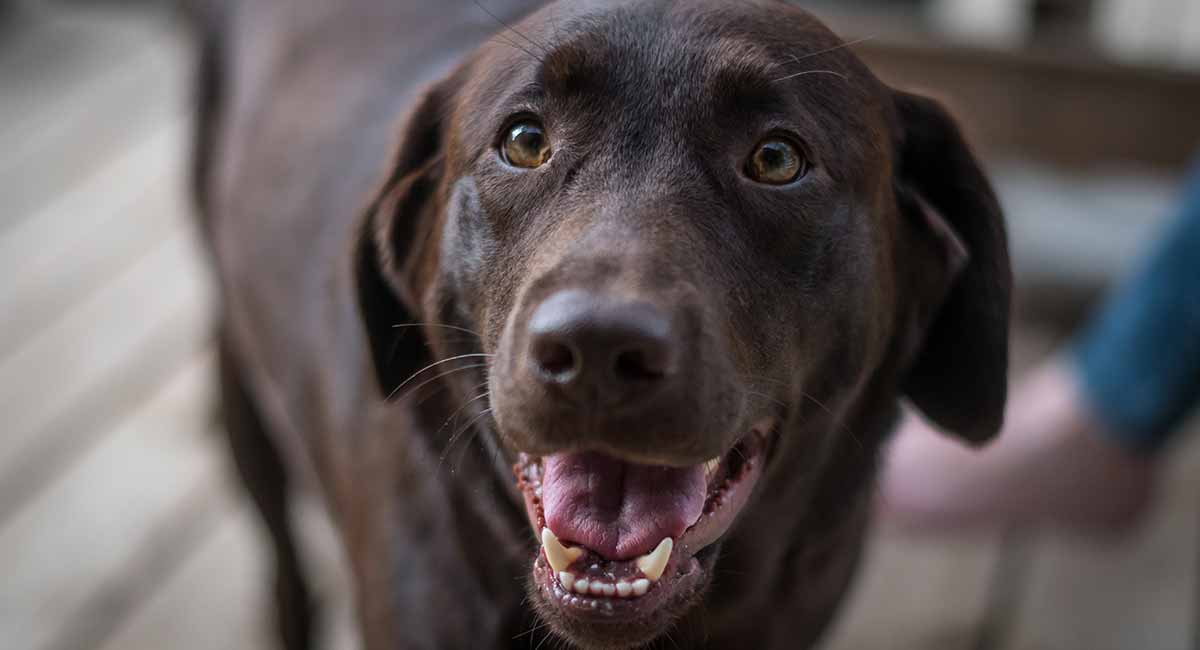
(958, 364)
(396, 223)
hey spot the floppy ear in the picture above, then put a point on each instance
(958, 368)
(394, 228)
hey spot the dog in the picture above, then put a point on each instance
(587, 321)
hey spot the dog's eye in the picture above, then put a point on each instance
(776, 161)
(525, 145)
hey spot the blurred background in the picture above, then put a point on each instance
(120, 527)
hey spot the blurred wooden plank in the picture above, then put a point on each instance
(168, 543)
(1073, 234)
(68, 251)
(217, 599)
(1136, 593)
(73, 136)
(96, 200)
(75, 356)
(1142, 31)
(49, 52)
(918, 594)
(1022, 101)
(76, 426)
(220, 597)
(59, 550)
(1189, 51)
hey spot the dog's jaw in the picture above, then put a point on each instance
(598, 601)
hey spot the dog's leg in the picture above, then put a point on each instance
(265, 477)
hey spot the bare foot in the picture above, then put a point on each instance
(1049, 466)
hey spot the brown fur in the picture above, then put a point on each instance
(883, 273)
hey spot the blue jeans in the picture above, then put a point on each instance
(1139, 358)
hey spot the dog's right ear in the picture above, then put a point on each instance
(399, 218)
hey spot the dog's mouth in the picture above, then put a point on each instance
(622, 541)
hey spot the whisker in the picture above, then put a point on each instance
(516, 46)
(754, 378)
(481, 384)
(434, 365)
(459, 410)
(470, 426)
(418, 387)
(512, 29)
(449, 327)
(798, 59)
(766, 397)
(836, 419)
(535, 628)
(808, 72)
(454, 437)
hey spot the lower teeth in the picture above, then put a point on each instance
(620, 589)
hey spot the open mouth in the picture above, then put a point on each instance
(620, 540)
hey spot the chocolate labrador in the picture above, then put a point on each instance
(588, 320)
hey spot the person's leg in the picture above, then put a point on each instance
(1139, 360)
(1076, 448)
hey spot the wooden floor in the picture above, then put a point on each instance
(119, 525)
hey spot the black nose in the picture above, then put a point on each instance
(598, 347)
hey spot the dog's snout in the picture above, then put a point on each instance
(598, 347)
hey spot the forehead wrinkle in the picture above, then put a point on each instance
(579, 56)
(737, 70)
(738, 57)
(572, 62)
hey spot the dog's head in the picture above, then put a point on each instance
(672, 227)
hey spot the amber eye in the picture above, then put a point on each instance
(525, 145)
(776, 161)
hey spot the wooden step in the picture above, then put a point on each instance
(90, 526)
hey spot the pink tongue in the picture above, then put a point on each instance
(619, 509)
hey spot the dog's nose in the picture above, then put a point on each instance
(598, 347)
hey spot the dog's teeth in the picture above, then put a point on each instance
(710, 466)
(560, 557)
(654, 563)
(601, 589)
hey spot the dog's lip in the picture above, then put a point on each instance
(683, 573)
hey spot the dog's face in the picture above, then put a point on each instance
(674, 226)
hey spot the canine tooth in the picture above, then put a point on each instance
(609, 590)
(640, 587)
(566, 579)
(597, 588)
(711, 465)
(560, 557)
(654, 563)
(624, 589)
(581, 586)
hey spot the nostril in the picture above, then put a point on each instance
(555, 359)
(639, 365)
